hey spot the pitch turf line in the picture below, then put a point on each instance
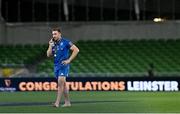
(3, 104)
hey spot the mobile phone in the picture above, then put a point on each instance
(53, 40)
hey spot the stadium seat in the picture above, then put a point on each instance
(125, 56)
(102, 57)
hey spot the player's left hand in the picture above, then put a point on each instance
(65, 62)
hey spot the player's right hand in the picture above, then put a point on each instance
(51, 43)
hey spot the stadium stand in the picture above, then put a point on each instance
(122, 57)
(20, 55)
(101, 58)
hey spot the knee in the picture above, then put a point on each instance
(61, 82)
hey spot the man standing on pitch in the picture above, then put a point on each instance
(59, 47)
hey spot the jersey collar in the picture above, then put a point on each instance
(59, 40)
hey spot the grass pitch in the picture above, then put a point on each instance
(92, 102)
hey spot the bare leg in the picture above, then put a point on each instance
(66, 96)
(61, 82)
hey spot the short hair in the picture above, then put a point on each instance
(56, 29)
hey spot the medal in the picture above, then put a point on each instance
(55, 50)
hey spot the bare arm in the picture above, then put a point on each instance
(49, 50)
(75, 51)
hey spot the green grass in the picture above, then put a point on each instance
(90, 102)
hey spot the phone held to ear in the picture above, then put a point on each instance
(52, 42)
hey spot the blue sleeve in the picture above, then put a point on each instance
(69, 43)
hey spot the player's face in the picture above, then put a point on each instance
(56, 35)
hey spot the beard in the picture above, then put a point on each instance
(55, 39)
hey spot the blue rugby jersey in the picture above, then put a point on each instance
(61, 51)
